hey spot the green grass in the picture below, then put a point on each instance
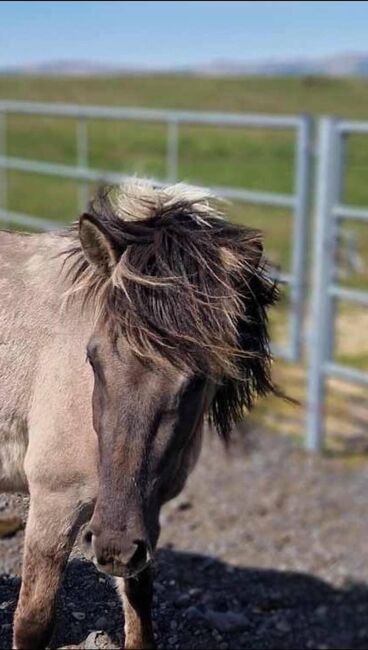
(345, 97)
(240, 158)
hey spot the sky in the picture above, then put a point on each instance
(178, 33)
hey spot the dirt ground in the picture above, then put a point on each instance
(267, 547)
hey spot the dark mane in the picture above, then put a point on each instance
(189, 288)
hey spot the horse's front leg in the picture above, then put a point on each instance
(52, 524)
(136, 595)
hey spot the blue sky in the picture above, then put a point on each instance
(173, 33)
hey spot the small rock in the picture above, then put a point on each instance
(9, 526)
(172, 640)
(322, 611)
(182, 601)
(283, 626)
(194, 591)
(97, 640)
(101, 622)
(79, 616)
(226, 621)
(112, 603)
(193, 613)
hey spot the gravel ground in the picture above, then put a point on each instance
(266, 548)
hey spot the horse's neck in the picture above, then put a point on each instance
(42, 348)
(33, 315)
(31, 279)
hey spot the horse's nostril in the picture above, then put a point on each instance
(87, 537)
(140, 555)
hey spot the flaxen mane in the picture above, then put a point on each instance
(188, 287)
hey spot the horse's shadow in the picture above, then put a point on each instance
(193, 597)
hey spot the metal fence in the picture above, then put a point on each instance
(329, 212)
(326, 290)
(296, 202)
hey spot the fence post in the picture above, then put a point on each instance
(322, 261)
(341, 167)
(82, 160)
(172, 151)
(300, 234)
(338, 192)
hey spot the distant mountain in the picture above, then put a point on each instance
(70, 69)
(340, 65)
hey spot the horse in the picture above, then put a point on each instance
(120, 337)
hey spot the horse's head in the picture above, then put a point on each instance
(148, 421)
(180, 333)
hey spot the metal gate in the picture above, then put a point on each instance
(326, 291)
(298, 202)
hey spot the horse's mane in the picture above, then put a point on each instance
(189, 288)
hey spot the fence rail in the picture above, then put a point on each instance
(297, 202)
(77, 111)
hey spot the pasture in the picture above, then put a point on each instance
(208, 155)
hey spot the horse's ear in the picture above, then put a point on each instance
(98, 246)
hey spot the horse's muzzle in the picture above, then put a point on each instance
(115, 555)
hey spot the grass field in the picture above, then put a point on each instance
(240, 158)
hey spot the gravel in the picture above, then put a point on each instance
(266, 548)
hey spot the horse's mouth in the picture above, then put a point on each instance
(119, 570)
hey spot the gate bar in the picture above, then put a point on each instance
(318, 338)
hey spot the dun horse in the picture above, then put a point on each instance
(166, 301)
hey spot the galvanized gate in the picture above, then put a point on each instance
(298, 202)
(329, 211)
(325, 290)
